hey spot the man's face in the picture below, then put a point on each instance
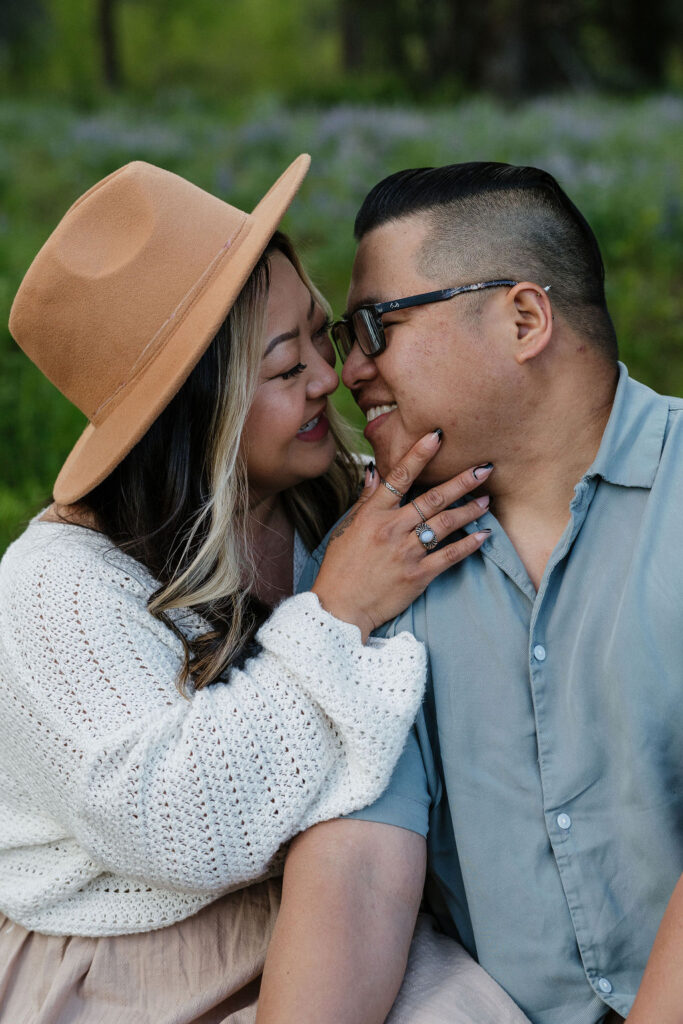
(441, 367)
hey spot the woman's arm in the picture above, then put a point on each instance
(195, 795)
(350, 898)
(660, 996)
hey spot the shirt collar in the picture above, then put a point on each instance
(631, 445)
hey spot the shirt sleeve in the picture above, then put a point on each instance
(406, 800)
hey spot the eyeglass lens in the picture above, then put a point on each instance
(369, 332)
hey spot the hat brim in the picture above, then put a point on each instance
(100, 448)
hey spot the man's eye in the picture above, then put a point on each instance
(294, 372)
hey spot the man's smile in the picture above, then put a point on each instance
(379, 410)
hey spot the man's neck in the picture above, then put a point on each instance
(536, 471)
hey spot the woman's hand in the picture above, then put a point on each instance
(375, 565)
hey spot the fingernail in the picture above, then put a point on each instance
(481, 472)
(438, 431)
(483, 502)
(483, 534)
(371, 467)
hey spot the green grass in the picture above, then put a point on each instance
(619, 161)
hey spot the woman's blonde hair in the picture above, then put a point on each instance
(179, 502)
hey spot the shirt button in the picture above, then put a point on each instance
(565, 822)
(604, 985)
(539, 652)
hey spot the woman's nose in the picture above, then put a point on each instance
(323, 379)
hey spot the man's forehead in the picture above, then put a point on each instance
(386, 260)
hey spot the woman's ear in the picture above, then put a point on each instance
(533, 318)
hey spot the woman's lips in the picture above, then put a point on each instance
(317, 432)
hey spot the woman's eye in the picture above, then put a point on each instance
(324, 330)
(294, 372)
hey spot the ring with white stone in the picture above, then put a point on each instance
(426, 536)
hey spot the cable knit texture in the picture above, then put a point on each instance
(123, 805)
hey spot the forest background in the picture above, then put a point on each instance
(227, 92)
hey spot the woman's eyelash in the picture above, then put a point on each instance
(294, 372)
(324, 329)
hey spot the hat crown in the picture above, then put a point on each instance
(127, 294)
(116, 277)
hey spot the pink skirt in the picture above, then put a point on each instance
(204, 970)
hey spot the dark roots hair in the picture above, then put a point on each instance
(178, 502)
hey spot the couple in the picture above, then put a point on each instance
(171, 716)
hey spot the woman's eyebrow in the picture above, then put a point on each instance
(289, 335)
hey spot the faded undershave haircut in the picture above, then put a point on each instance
(493, 220)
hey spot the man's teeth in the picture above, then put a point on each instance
(379, 410)
(310, 425)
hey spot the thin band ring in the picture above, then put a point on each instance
(393, 490)
(419, 511)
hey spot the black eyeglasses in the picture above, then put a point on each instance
(365, 325)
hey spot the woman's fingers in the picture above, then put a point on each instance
(452, 519)
(375, 564)
(451, 554)
(438, 498)
(403, 475)
(371, 480)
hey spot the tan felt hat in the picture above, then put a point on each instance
(126, 295)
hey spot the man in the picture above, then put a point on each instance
(546, 770)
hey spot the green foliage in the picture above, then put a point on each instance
(618, 160)
(328, 50)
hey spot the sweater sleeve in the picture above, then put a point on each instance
(192, 794)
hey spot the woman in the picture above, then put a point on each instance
(164, 731)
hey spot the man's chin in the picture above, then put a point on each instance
(387, 458)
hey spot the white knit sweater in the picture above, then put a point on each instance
(124, 806)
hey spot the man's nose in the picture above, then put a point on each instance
(358, 368)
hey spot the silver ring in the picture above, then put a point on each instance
(426, 536)
(419, 511)
(392, 489)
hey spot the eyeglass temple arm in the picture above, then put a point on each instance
(438, 296)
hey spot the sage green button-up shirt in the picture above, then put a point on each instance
(546, 766)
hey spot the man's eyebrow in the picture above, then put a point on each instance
(279, 338)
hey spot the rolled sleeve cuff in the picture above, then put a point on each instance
(406, 800)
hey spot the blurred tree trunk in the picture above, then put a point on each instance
(644, 33)
(512, 48)
(373, 36)
(353, 37)
(109, 43)
(531, 47)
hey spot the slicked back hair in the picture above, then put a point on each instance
(493, 220)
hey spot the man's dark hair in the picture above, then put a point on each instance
(492, 220)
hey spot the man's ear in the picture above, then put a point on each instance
(533, 317)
